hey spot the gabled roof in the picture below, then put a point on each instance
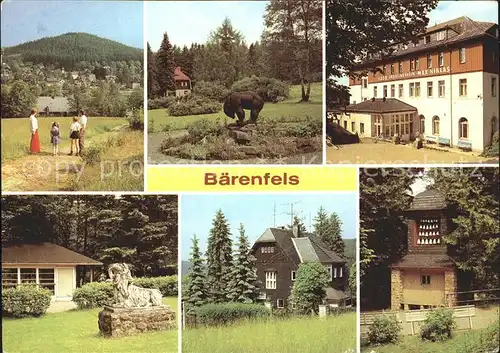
(56, 104)
(306, 248)
(424, 260)
(43, 253)
(428, 200)
(336, 295)
(379, 105)
(179, 75)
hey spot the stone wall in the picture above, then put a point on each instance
(118, 322)
(450, 287)
(396, 288)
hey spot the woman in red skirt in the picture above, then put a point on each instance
(35, 140)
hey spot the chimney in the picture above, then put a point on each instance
(295, 231)
(282, 227)
(373, 99)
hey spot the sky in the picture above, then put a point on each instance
(486, 11)
(256, 213)
(188, 22)
(24, 21)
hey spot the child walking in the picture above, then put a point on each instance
(54, 138)
(74, 135)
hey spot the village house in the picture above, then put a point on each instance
(449, 77)
(47, 265)
(426, 277)
(182, 83)
(54, 106)
(280, 251)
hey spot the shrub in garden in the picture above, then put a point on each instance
(136, 119)
(93, 295)
(167, 285)
(193, 105)
(492, 151)
(93, 154)
(223, 314)
(25, 300)
(384, 330)
(201, 128)
(438, 325)
(160, 103)
(268, 88)
(211, 90)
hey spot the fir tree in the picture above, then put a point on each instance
(165, 67)
(219, 258)
(298, 222)
(329, 229)
(152, 84)
(243, 284)
(196, 291)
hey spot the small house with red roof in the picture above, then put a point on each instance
(47, 265)
(182, 83)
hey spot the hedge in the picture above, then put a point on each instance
(224, 314)
(98, 294)
(268, 88)
(192, 104)
(25, 300)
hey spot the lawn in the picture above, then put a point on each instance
(287, 108)
(16, 133)
(76, 331)
(335, 334)
(477, 341)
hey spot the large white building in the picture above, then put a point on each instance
(450, 77)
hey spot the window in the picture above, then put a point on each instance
(462, 55)
(375, 91)
(400, 90)
(28, 275)
(435, 125)
(353, 126)
(493, 86)
(441, 89)
(340, 271)
(440, 35)
(412, 64)
(429, 61)
(384, 69)
(280, 303)
(392, 69)
(463, 128)
(417, 65)
(425, 279)
(463, 87)
(427, 39)
(329, 270)
(361, 128)
(385, 91)
(46, 279)
(335, 272)
(422, 124)
(294, 275)
(345, 124)
(270, 280)
(417, 89)
(429, 89)
(267, 249)
(393, 90)
(9, 277)
(412, 89)
(365, 82)
(400, 67)
(441, 60)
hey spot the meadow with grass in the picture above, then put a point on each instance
(333, 334)
(77, 331)
(112, 160)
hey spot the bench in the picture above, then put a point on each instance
(464, 144)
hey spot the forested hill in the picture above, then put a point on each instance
(71, 48)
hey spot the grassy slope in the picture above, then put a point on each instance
(76, 331)
(301, 335)
(286, 108)
(462, 342)
(16, 134)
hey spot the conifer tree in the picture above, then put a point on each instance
(152, 84)
(165, 67)
(298, 222)
(243, 284)
(329, 228)
(219, 258)
(196, 291)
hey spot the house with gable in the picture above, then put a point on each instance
(182, 83)
(279, 253)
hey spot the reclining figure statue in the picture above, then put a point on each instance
(127, 295)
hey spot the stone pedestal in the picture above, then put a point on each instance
(118, 322)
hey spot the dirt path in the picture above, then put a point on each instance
(45, 172)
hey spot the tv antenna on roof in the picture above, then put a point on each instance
(291, 213)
